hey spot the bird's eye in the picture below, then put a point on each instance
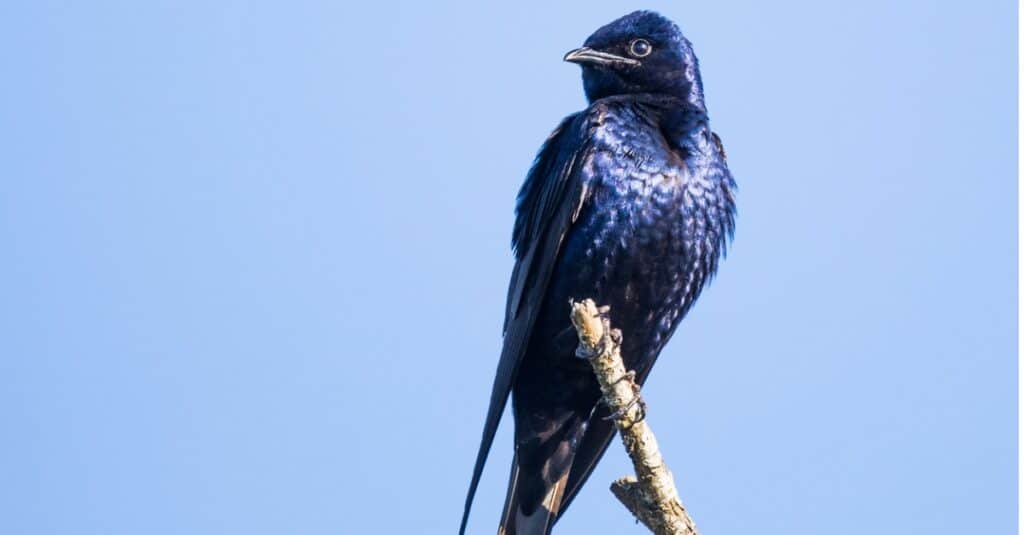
(640, 47)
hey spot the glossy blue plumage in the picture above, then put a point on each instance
(630, 202)
(656, 221)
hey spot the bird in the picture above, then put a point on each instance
(629, 202)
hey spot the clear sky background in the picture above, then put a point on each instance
(253, 260)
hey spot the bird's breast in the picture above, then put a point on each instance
(650, 231)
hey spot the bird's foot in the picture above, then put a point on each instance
(641, 412)
(637, 401)
(628, 376)
(610, 338)
(586, 354)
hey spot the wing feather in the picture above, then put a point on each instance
(547, 205)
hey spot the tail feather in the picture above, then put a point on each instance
(508, 512)
(599, 433)
(515, 522)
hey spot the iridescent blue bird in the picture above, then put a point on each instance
(630, 203)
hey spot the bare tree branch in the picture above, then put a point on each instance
(652, 495)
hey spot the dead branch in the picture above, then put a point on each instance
(651, 496)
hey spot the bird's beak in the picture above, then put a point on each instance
(589, 56)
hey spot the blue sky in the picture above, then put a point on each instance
(254, 257)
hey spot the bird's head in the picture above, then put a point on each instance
(642, 52)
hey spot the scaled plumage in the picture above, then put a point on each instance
(630, 203)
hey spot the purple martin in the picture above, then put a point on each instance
(629, 202)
